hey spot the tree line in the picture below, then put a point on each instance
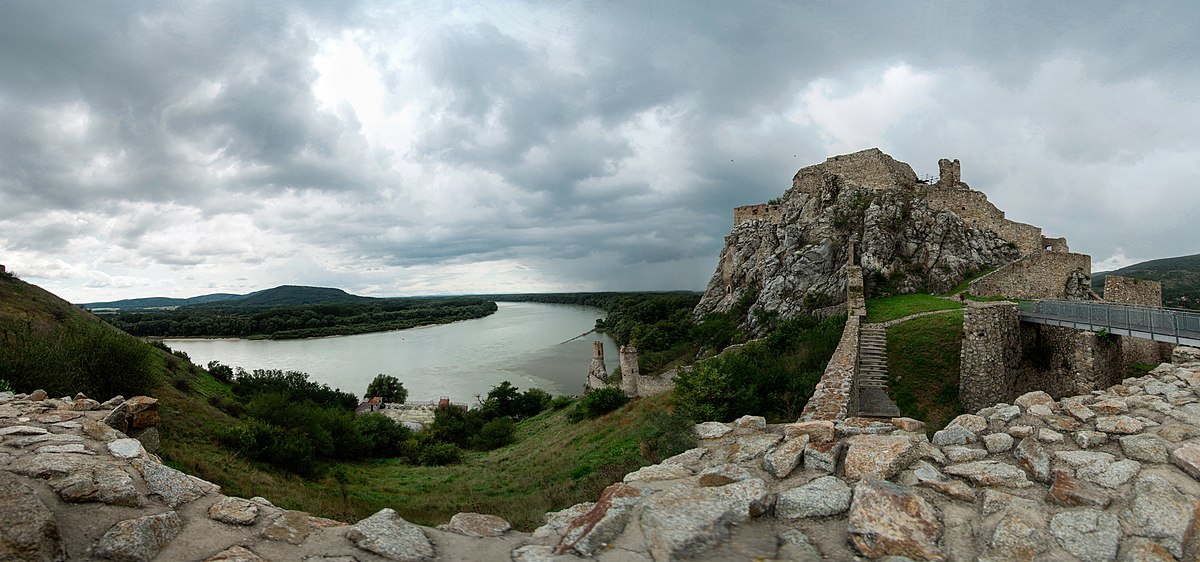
(315, 320)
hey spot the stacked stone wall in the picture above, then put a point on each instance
(974, 208)
(630, 374)
(1064, 361)
(868, 168)
(771, 213)
(1041, 275)
(990, 355)
(834, 397)
(1131, 290)
(1002, 358)
(1138, 292)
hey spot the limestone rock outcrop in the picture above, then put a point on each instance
(908, 236)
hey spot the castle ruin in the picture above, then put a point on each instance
(597, 376)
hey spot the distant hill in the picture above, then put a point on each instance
(283, 295)
(291, 295)
(160, 302)
(1179, 276)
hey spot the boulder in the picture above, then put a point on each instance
(140, 539)
(881, 456)
(234, 511)
(602, 523)
(786, 456)
(683, 522)
(1089, 534)
(477, 525)
(174, 487)
(1159, 511)
(387, 534)
(1187, 458)
(990, 473)
(822, 497)
(1070, 492)
(890, 520)
(30, 531)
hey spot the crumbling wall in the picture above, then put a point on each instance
(629, 371)
(833, 398)
(1065, 361)
(1138, 292)
(868, 168)
(1131, 290)
(773, 214)
(1041, 275)
(990, 354)
(1003, 358)
(597, 372)
(975, 209)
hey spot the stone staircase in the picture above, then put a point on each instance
(873, 399)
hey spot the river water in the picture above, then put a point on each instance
(521, 343)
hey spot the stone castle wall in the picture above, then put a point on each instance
(974, 208)
(990, 354)
(597, 376)
(868, 168)
(833, 398)
(1131, 290)
(1139, 292)
(629, 371)
(1002, 358)
(771, 213)
(1041, 275)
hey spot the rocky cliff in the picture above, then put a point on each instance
(909, 236)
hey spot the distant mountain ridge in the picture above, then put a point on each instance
(283, 295)
(1180, 278)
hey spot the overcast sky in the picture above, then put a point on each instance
(177, 149)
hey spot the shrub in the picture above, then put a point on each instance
(77, 356)
(440, 454)
(494, 434)
(597, 403)
(223, 373)
(560, 402)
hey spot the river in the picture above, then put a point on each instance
(521, 343)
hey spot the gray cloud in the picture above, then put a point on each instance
(151, 148)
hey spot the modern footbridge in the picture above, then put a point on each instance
(1169, 325)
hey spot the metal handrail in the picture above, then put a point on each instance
(1161, 324)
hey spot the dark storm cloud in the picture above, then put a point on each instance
(604, 143)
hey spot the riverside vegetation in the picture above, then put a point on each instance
(518, 455)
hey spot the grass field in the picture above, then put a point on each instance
(553, 464)
(923, 366)
(899, 306)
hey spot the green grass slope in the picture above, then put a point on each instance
(1179, 276)
(923, 367)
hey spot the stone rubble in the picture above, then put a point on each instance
(1121, 481)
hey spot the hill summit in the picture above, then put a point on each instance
(790, 255)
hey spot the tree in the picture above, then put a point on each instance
(389, 388)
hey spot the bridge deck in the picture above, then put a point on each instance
(1158, 324)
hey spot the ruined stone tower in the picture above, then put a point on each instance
(597, 376)
(629, 370)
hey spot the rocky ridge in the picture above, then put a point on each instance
(791, 256)
(1112, 475)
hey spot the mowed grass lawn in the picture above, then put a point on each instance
(923, 367)
(899, 306)
(553, 464)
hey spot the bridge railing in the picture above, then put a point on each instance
(1161, 324)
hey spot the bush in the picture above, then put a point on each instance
(597, 403)
(223, 373)
(560, 402)
(440, 454)
(494, 434)
(77, 356)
